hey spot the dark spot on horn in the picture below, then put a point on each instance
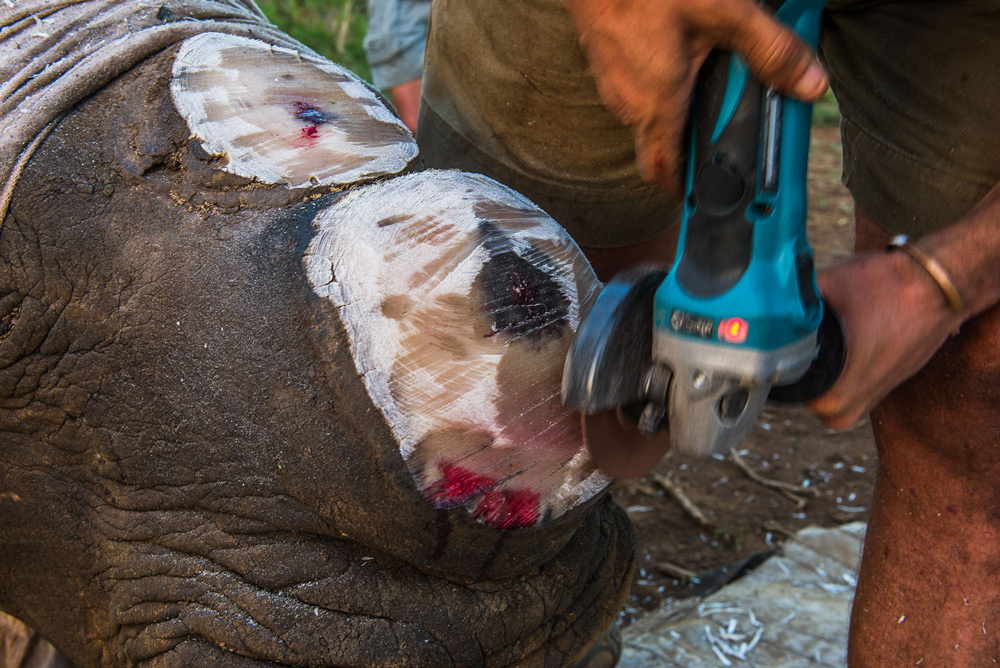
(520, 297)
(395, 307)
(508, 216)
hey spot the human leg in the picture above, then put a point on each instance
(929, 587)
(406, 99)
(917, 89)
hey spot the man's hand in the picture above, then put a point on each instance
(895, 318)
(646, 56)
(895, 315)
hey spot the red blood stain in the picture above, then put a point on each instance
(509, 509)
(457, 485)
(313, 117)
(307, 137)
(498, 508)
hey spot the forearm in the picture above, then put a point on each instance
(969, 251)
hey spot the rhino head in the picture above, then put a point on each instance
(272, 395)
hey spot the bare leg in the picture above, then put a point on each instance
(406, 98)
(929, 588)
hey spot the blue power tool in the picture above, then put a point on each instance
(687, 358)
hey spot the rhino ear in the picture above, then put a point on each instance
(282, 117)
(460, 298)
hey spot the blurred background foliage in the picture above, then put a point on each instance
(826, 113)
(333, 28)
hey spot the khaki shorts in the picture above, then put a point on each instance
(507, 93)
(918, 83)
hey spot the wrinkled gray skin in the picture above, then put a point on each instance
(191, 472)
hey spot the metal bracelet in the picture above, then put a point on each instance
(932, 267)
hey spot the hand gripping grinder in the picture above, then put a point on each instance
(688, 357)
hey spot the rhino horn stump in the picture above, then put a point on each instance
(270, 394)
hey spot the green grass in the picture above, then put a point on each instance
(333, 28)
(826, 113)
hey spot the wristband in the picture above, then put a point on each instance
(932, 267)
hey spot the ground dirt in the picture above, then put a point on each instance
(736, 518)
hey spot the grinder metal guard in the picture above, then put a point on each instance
(699, 348)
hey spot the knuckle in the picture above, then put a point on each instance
(777, 54)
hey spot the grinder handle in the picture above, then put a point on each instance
(743, 254)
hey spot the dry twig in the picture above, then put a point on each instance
(634, 486)
(674, 488)
(345, 25)
(775, 525)
(789, 490)
(674, 570)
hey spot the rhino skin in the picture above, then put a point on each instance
(193, 471)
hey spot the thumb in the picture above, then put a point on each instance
(776, 55)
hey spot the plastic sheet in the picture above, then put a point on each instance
(791, 612)
(460, 298)
(280, 116)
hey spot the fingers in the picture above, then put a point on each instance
(646, 56)
(773, 52)
(658, 155)
(894, 321)
(659, 144)
(835, 415)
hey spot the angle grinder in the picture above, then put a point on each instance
(686, 358)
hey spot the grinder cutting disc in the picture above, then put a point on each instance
(612, 351)
(607, 374)
(618, 447)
